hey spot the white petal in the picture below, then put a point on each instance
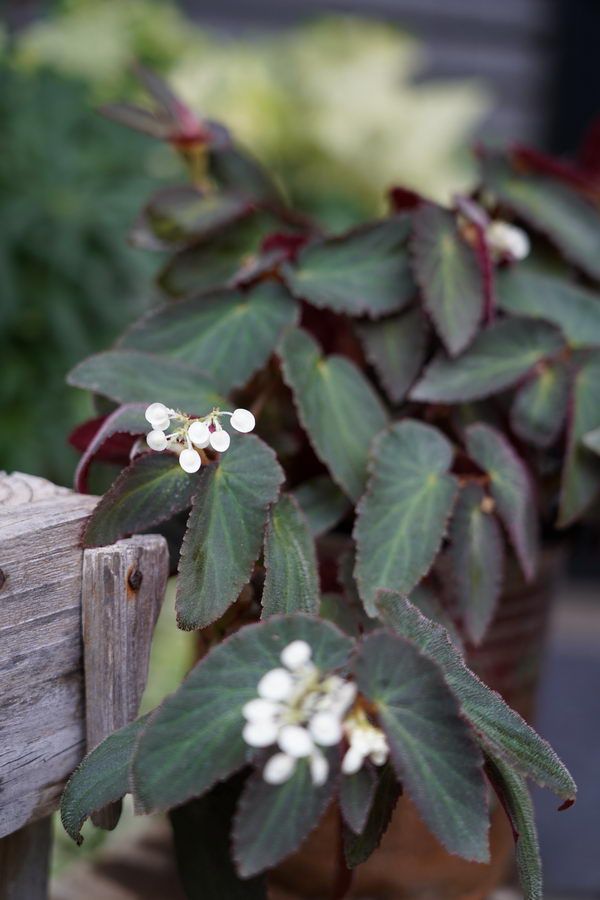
(156, 440)
(319, 769)
(326, 729)
(379, 756)
(279, 768)
(295, 740)
(189, 460)
(296, 655)
(260, 734)
(242, 420)
(220, 441)
(157, 413)
(199, 434)
(259, 710)
(344, 697)
(352, 761)
(277, 684)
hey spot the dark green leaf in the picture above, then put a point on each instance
(497, 359)
(449, 276)
(176, 216)
(575, 310)
(428, 602)
(557, 211)
(101, 778)
(395, 347)
(273, 820)
(322, 502)
(511, 488)
(338, 408)
(364, 272)
(359, 847)
(476, 558)
(195, 738)
(581, 472)
(514, 796)
(402, 518)
(225, 530)
(127, 376)
(501, 730)
(357, 792)
(539, 409)
(201, 832)
(235, 169)
(431, 747)
(291, 579)
(229, 334)
(348, 615)
(149, 491)
(213, 263)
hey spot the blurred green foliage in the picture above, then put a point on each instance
(70, 184)
(331, 108)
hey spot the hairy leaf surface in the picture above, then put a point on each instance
(128, 376)
(194, 739)
(402, 518)
(540, 406)
(225, 530)
(128, 419)
(476, 558)
(511, 488)
(338, 408)
(150, 490)
(322, 502)
(395, 347)
(357, 792)
(230, 334)
(500, 729)
(291, 580)
(497, 359)
(431, 747)
(364, 272)
(449, 275)
(359, 847)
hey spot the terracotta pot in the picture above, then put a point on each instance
(410, 863)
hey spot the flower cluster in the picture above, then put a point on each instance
(302, 712)
(192, 434)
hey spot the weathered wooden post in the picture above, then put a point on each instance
(75, 633)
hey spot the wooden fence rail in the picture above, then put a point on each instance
(75, 633)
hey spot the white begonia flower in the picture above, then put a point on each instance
(299, 711)
(188, 435)
(505, 239)
(220, 441)
(157, 440)
(242, 420)
(296, 655)
(279, 768)
(199, 434)
(277, 684)
(366, 741)
(189, 460)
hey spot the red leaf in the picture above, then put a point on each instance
(403, 199)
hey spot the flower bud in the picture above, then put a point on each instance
(279, 768)
(158, 416)
(242, 420)
(190, 461)
(199, 434)
(220, 441)
(156, 440)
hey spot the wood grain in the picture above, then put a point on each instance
(123, 589)
(42, 700)
(24, 859)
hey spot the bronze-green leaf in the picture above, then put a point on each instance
(449, 276)
(497, 359)
(291, 579)
(581, 471)
(396, 347)
(363, 272)
(402, 518)
(225, 530)
(431, 746)
(337, 407)
(540, 406)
